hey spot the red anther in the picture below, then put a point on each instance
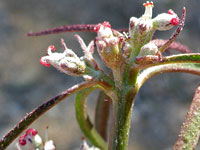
(31, 130)
(44, 63)
(52, 47)
(148, 4)
(171, 12)
(22, 140)
(105, 24)
(175, 21)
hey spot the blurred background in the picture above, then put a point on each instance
(160, 106)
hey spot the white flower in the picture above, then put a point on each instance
(49, 145)
(166, 21)
(67, 62)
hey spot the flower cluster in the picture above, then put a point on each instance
(32, 141)
(141, 30)
(113, 45)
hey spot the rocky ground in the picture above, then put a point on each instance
(24, 84)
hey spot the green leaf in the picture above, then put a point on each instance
(84, 122)
(189, 134)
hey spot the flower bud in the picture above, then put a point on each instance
(108, 45)
(166, 21)
(67, 62)
(148, 49)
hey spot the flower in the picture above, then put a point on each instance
(31, 139)
(49, 145)
(84, 146)
(141, 29)
(166, 21)
(67, 62)
(109, 45)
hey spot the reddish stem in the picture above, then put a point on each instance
(174, 45)
(69, 28)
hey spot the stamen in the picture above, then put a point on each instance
(63, 44)
(148, 9)
(50, 48)
(171, 12)
(44, 63)
(148, 4)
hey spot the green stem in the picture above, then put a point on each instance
(117, 77)
(84, 122)
(122, 110)
(102, 114)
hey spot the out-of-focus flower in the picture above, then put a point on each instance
(49, 145)
(31, 139)
(84, 146)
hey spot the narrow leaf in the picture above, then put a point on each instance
(151, 60)
(190, 130)
(192, 68)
